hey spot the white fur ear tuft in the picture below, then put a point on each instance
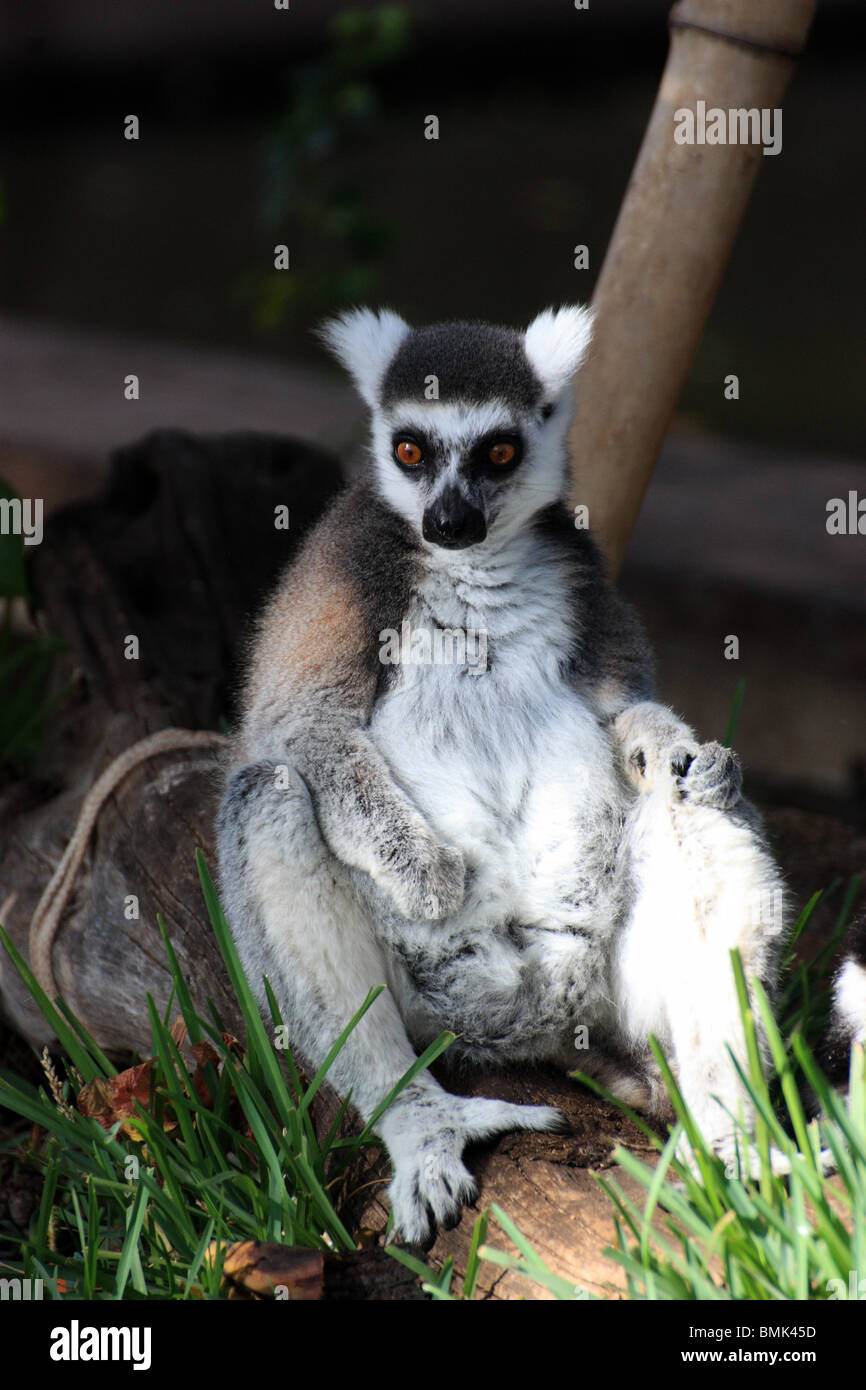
(556, 343)
(365, 342)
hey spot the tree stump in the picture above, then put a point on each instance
(176, 553)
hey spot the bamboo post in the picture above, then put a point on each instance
(675, 230)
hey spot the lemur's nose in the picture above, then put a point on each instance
(453, 522)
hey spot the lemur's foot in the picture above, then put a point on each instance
(426, 1139)
(661, 751)
(429, 883)
(713, 777)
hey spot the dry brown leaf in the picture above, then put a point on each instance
(109, 1099)
(96, 1099)
(266, 1269)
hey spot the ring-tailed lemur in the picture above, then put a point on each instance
(523, 848)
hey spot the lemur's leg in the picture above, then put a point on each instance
(704, 883)
(296, 919)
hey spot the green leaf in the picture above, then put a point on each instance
(735, 713)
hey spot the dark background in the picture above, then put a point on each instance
(541, 108)
(248, 139)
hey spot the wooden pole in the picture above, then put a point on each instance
(680, 215)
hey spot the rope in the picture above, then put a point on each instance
(49, 909)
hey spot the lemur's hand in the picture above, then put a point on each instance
(657, 747)
(369, 823)
(426, 880)
(661, 751)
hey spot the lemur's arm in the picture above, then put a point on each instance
(619, 664)
(655, 742)
(313, 680)
(614, 661)
(611, 660)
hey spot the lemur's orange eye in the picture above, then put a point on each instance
(501, 453)
(408, 453)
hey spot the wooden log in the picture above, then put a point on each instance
(177, 552)
(670, 245)
(268, 1270)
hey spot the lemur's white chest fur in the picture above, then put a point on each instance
(510, 764)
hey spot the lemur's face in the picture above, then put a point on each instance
(459, 471)
(468, 420)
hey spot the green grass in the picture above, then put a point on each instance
(702, 1232)
(706, 1233)
(731, 1235)
(804, 1000)
(124, 1217)
(133, 1216)
(734, 719)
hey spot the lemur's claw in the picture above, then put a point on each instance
(681, 761)
(713, 778)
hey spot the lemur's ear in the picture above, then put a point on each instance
(365, 342)
(556, 343)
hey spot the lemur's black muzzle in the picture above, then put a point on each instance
(452, 522)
